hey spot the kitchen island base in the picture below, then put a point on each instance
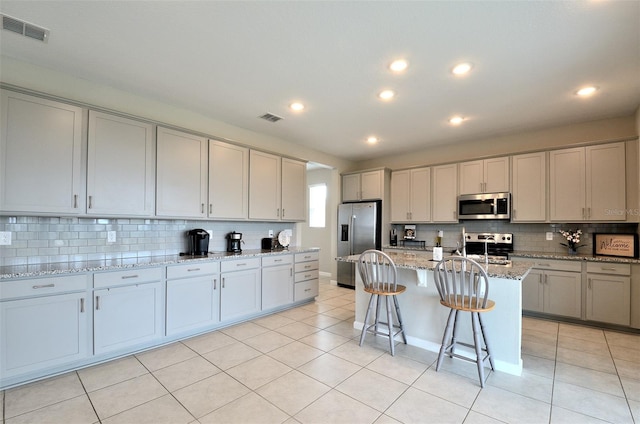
(425, 318)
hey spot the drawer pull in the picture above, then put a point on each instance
(608, 269)
(307, 290)
(307, 257)
(544, 265)
(43, 286)
(126, 277)
(193, 269)
(307, 266)
(277, 260)
(242, 264)
(307, 276)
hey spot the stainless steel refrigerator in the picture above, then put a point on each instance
(359, 229)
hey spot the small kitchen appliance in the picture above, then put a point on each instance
(271, 243)
(234, 241)
(198, 240)
(484, 206)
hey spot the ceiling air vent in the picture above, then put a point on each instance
(271, 117)
(23, 28)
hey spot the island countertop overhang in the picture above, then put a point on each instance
(516, 269)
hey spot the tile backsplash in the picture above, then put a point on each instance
(526, 237)
(52, 239)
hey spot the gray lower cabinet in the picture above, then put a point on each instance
(277, 281)
(128, 312)
(306, 276)
(554, 287)
(193, 297)
(609, 293)
(44, 323)
(241, 292)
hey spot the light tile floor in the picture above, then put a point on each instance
(304, 365)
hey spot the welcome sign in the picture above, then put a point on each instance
(620, 245)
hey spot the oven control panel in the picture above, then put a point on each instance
(502, 238)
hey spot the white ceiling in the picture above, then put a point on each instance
(234, 61)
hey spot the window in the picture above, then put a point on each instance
(317, 205)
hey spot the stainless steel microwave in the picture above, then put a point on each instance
(484, 206)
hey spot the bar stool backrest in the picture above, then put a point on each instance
(377, 271)
(462, 282)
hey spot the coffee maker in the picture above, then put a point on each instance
(198, 240)
(233, 242)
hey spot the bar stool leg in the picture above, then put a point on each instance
(478, 346)
(486, 342)
(366, 319)
(390, 325)
(377, 312)
(453, 335)
(446, 337)
(395, 302)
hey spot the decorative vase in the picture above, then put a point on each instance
(573, 250)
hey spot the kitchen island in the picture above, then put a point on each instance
(425, 318)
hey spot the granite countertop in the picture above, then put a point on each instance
(534, 255)
(57, 268)
(514, 270)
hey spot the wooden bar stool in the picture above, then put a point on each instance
(463, 285)
(379, 275)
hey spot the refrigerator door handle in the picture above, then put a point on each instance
(351, 218)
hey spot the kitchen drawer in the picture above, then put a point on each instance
(608, 268)
(127, 277)
(277, 260)
(548, 264)
(193, 269)
(43, 286)
(307, 256)
(306, 266)
(309, 275)
(305, 290)
(239, 265)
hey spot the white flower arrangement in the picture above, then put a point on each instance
(573, 238)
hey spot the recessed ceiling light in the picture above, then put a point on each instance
(386, 94)
(586, 91)
(372, 140)
(398, 65)
(296, 106)
(461, 68)
(456, 120)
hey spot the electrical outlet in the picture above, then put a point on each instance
(111, 236)
(549, 235)
(5, 238)
(270, 233)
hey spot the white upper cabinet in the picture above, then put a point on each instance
(265, 187)
(294, 190)
(120, 166)
(277, 188)
(444, 196)
(606, 178)
(228, 181)
(484, 176)
(528, 182)
(368, 185)
(411, 195)
(587, 183)
(40, 156)
(181, 186)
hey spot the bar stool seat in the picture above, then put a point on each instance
(463, 286)
(379, 276)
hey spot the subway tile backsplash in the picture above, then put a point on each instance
(52, 239)
(526, 237)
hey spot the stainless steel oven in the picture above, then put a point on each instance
(484, 206)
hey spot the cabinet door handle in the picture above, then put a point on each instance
(82, 305)
(90, 202)
(278, 212)
(283, 212)
(215, 282)
(588, 213)
(97, 303)
(513, 213)
(583, 214)
(75, 201)
(43, 286)
(290, 272)
(201, 207)
(222, 282)
(589, 285)
(210, 208)
(126, 277)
